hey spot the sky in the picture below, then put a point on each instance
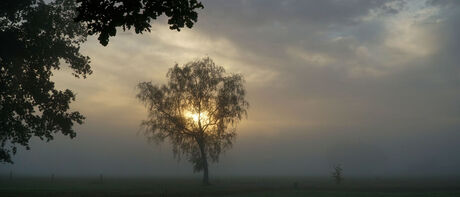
(373, 85)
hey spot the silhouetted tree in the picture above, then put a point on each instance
(103, 16)
(337, 174)
(35, 38)
(197, 111)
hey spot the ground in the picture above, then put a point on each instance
(228, 186)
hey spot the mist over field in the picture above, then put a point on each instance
(371, 85)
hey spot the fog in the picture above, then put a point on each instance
(371, 85)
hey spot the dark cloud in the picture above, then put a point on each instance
(265, 26)
(443, 2)
(260, 12)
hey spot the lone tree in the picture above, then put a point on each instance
(197, 111)
(338, 174)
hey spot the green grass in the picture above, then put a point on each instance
(228, 186)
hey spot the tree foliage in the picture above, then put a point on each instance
(103, 16)
(197, 111)
(337, 174)
(35, 39)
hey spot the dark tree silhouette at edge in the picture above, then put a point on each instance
(35, 38)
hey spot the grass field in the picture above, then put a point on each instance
(228, 186)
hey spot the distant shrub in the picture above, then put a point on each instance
(338, 174)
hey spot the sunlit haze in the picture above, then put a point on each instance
(201, 118)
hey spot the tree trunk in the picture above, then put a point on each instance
(205, 172)
(204, 159)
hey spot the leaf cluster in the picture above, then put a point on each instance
(35, 39)
(103, 16)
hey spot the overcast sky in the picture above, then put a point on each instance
(371, 84)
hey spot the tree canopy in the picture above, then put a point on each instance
(103, 16)
(197, 111)
(35, 38)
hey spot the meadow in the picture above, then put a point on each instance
(228, 186)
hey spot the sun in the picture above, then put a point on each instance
(197, 117)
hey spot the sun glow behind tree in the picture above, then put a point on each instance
(198, 118)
